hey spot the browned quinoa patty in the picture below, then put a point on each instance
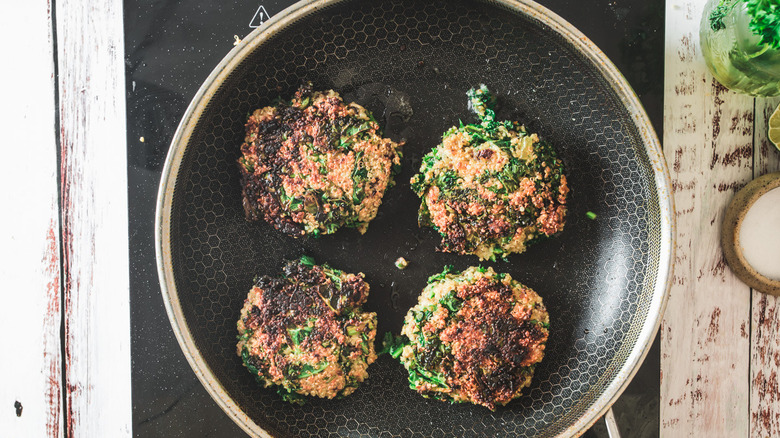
(474, 336)
(315, 164)
(306, 332)
(492, 188)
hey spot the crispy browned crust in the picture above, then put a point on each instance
(301, 294)
(301, 170)
(491, 348)
(493, 188)
(326, 303)
(479, 346)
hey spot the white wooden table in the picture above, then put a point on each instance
(65, 323)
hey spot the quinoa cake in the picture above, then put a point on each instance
(315, 164)
(306, 333)
(473, 336)
(492, 188)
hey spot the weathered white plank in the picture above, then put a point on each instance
(30, 393)
(765, 321)
(94, 217)
(708, 141)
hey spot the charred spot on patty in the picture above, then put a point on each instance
(305, 332)
(492, 188)
(315, 164)
(473, 336)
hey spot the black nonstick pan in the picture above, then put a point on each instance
(603, 280)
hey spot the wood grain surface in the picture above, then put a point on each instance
(31, 364)
(765, 315)
(720, 351)
(708, 143)
(94, 218)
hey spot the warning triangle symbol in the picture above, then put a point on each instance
(261, 16)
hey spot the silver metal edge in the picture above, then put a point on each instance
(165, 202)
(665, 199)
(612, 427)
(528, 7)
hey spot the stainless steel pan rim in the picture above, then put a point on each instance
(526, 7)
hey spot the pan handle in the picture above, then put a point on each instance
(612, 428)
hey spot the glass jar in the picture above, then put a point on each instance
(734, 53)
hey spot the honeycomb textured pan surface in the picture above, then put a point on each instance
(409, 63)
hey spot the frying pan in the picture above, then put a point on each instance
(604, 281)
